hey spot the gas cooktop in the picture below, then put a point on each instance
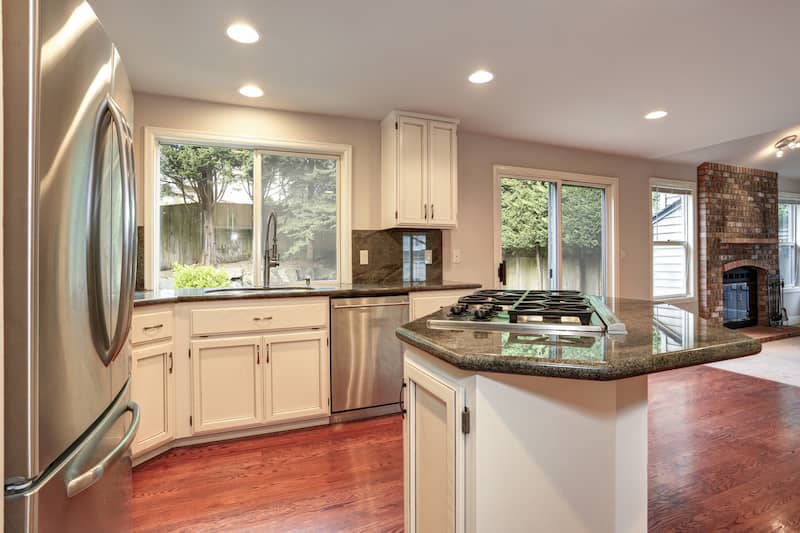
(548, 312)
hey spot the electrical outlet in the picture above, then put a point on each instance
(363, 256)
(428, 257)
(456, 255)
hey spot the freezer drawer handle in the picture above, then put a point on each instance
(80, 482)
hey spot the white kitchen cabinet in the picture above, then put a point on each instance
(296, 375)
(427, 302)
(228, 383)
(419, 171)
(431, 447)
(153, 389)
(442, 180)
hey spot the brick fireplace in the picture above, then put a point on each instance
(738, 226)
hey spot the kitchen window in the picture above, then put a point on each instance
(208, 199)
(789, 247)
(672, 232)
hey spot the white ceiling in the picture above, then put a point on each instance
(570, 72)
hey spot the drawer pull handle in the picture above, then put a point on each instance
(149, 328)
(257, 318)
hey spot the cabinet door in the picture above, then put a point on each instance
(153, 388)
(425, 303)
(442, 176)
(227, 384)
(429, 443)
(412, 170)
(297, 376)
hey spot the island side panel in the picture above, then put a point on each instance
(631, 455)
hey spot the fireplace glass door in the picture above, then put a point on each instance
(740, 297)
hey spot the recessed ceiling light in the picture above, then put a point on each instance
(655, 115)
(242, 33)
(251, 90)
(481, 76)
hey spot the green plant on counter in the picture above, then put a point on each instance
(199, 277)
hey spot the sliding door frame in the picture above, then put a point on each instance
(609, 184)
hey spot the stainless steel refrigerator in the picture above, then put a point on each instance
(69, 265)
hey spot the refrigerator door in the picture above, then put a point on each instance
(86, 227)
(70, 260)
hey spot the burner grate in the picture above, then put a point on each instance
(547, 305)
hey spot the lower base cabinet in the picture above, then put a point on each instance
(430, 448)
(297, 376)
(243, 382)
(153, 388)
(228, 384)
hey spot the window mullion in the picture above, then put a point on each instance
(258, 194)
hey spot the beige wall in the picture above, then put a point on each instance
(477, 154)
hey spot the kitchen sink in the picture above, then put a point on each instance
(255, 290)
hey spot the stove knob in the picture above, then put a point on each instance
(458, 309)
(480, 314)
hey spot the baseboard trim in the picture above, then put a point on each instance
(227, 435)
(793, 320)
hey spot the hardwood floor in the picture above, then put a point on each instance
(724, 452)
(345, 477)
(724, 456)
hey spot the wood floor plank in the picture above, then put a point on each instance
(724, 455)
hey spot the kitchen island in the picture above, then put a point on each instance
(513, 431)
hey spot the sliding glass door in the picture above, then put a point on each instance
(552, 234)
(527, 233)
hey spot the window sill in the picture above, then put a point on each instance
(679, 299)
(791, 290)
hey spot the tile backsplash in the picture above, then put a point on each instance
(397, 255)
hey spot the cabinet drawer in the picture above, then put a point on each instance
(148, 327)
(214, 321)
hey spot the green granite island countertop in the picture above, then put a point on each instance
(660, 337)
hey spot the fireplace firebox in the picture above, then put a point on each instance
(740, 297)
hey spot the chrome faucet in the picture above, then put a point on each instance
(270, 252)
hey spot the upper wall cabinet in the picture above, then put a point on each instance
(419, 160)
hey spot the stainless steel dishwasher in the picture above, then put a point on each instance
(366, 356)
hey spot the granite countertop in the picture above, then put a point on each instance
(660, 337)
(342, 290)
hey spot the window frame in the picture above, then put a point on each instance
(690, 245)
(611, 187)
(153, 136)
(793, 200)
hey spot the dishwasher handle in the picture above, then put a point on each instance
(359, 306)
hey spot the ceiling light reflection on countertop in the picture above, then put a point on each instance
(655, 115)
(251, 91)
(481, 76)
(243, 33)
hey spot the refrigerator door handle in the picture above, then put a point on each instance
(107, 347)
(79, 482)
